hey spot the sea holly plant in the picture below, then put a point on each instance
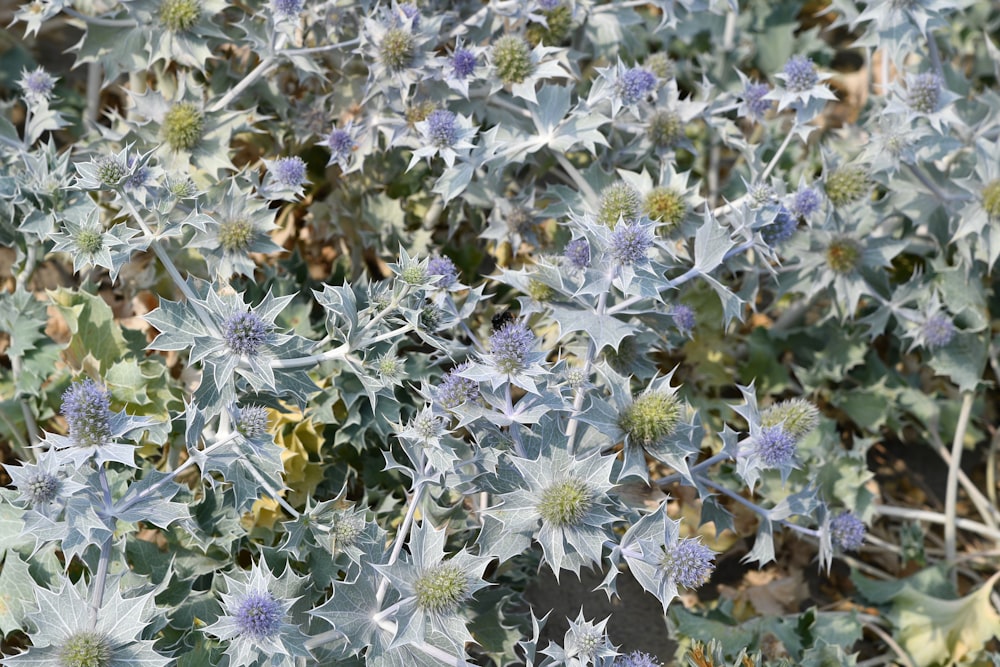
(335, 333)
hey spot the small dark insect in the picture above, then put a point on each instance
(500, 320)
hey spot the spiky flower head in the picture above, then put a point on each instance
(557, 27)
(781, 229)
(565, 503)
(846, 184)
(666, 205)
(688, 562)
(844, 255)
(775, 446)
(40, 487)
(286, 9)
(665, 128)
(630, 243)
(89, 241)
(754, 98)
(660, 64)
(236, 235)
(290, 171)
(397, 49)
(86, 649)
(798, 416)
(923, 92)
(510, 347)
(938, 330)
(511, 57)
(683, 316)
(637, 659)
(110, 170)
(991, 199)
(37, 85)
(245, 333)
(442, 588)
(650, 418)
(419, 110)
(441, 128)
(444, 267)
(258, 615)
(463, 63)
(800, 74)
(346, 531)
(455, 389)
(577, 252)
(635, 85)
(179, 15)
(539, 291)
(848, 531)
(183, 126)
(87, 408)
(252, 421)
(806, 202)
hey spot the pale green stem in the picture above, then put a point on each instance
(577, 177)
(404, 529)
(951, 489)
(101, 576)
(571, 428)
(704, 465)
(321, 49)
(937, 518)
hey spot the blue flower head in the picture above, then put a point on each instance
(510, 347)
(781, 229)
(683, 316)
(577, 252)
(251, 421)
(775, 446)
(923, 92)
(635, 85)
(848, 531)
(937, 331)
(463, 63)
(688, 562)
(630, 243)
(441, 128)
(637, 659)
(258, 615)
(342, 146)
(800, 74)
(287, 8)
(806, 202)
(753, 98)
(455, 389)
(290, 171)
(37, 85)
(245, 333)
(87, 408)
(444, 267)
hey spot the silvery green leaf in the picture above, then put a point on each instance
(711, 243)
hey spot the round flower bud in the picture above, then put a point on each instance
(805, 203)
(539, 291)
(923, 92)
(110, 171)
(441, 588)
(619, 201)
(89, 241)
(41, 488)
(347, 528)
(991, 199)
(665, 128)
(683, 317)
(650, 418)
(688, 563)
(397, 49)
(285, 9)
(512, 59)
(258, 615)
(559, 24)
(236, 235)
(848, 531)
(426, 425)
(252, 422)
(86, 649)
(444, 267)
(455, 389)
(630, 244)
(637, 659)
(635, 85)
(577, 252)
(799, 417)
(666, 205)
(441, 128)
(846, 184)
(660, 64)
(245, 333)
(431, 318)
(844, 255)
(565, 503)
(183, 126)
(414, 274)
(179, 15)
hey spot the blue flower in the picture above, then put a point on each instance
(510, 347)
(37, 85)
(683, 317)
(245, 333)
(259, 615)
(290, 171)
(688, 562)
(775, 446)
(285, 9)
(342, 145)
(87, 408)
(800, 74)
(848, 531)
(444, 267)
(637, 659)
(463, 63)
(937, 331)
(635, 84)
(781, 229)
(577, 252)
(630, 243)
(806, 202)
(754, 100)
(441, 128)
(455, 389)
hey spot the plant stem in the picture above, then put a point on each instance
(600, 310)
(951, 489)
(515, 434)
(577, 177)
(101, 576)
(320, 49)
(704, 465)
(404, 529)
(938, 518)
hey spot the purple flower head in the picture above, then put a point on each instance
(287, 8)
(252, 421)
(455, 389)
(806, 202)
(637, 659)
(548, 5)
(40, 488)
(87, 408)
(443, 266)
(463, 63)
(577, 252)
(938, 330)
(775, 446)
(781, 229)
(630, 243)
(258, 615)
(848, 531)
(245, 333)
(341, 144)
(290, 171)
(800, 74)
(411, 12)
(683, 317)
(635, 84)
(688, 562)
(753, 97)
(441, 128)
(923, 92)
(37, 85)
(510, 346)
